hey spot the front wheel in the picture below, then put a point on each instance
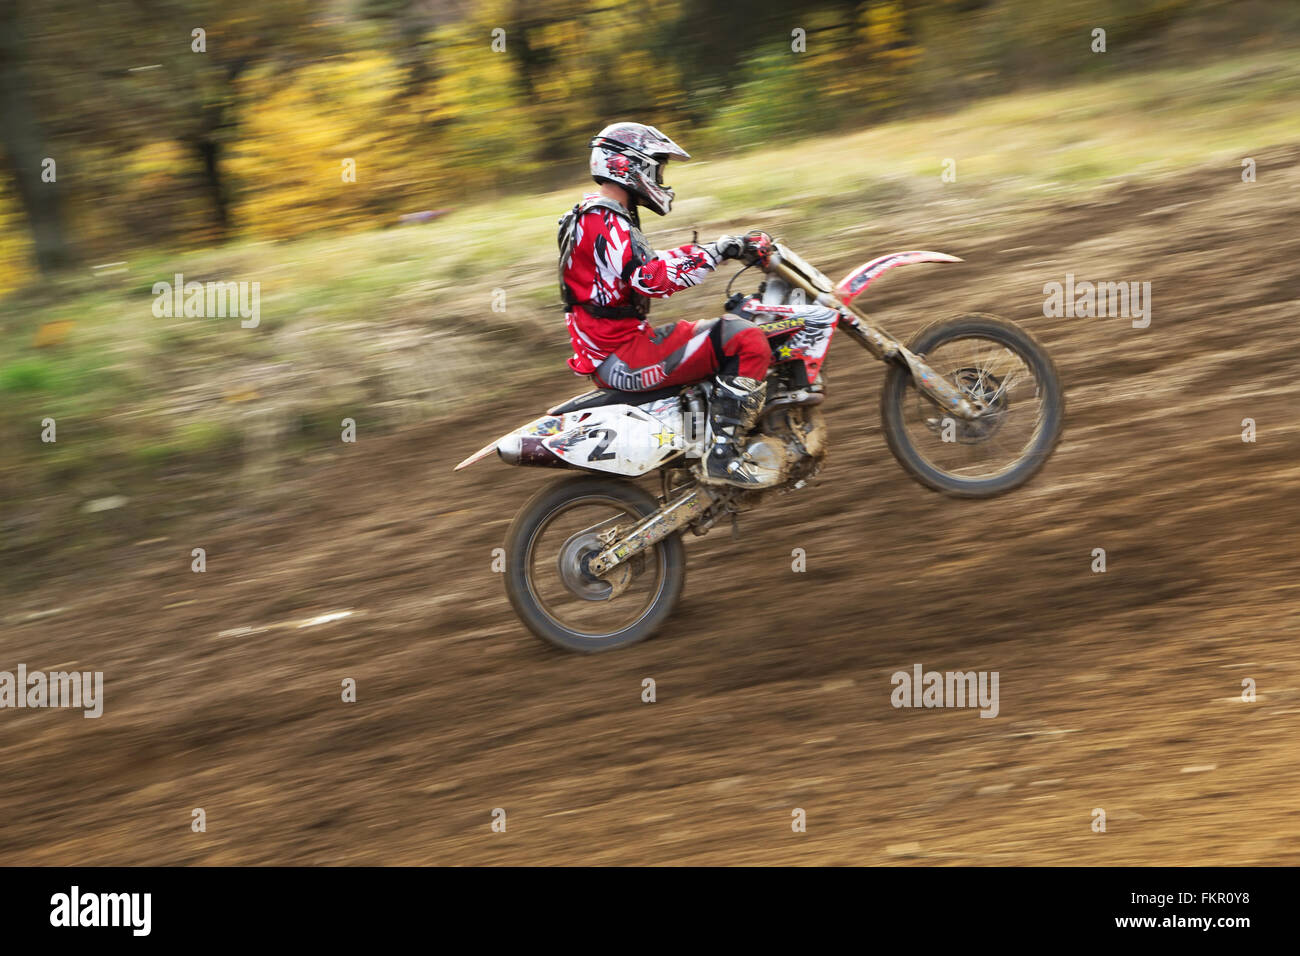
(997, 364)
(548, 546)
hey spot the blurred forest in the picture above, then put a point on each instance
(158, 143)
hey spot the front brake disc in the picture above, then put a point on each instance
(981, 387)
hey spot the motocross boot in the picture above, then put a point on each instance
(733, 411)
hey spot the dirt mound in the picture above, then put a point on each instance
(1119, 691)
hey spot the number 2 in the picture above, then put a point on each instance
(599, 453)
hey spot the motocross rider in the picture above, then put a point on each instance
(608, 273)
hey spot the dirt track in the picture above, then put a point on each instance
(1118, 690)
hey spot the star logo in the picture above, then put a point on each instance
(665, 438)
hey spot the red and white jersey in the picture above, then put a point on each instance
(610, 264)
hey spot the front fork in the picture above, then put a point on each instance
(934, 386)
(795, 272)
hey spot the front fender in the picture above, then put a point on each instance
(856, 282)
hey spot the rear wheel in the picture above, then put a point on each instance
(561, 528)
(1004, 368)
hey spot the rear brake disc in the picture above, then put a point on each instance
(572, 565)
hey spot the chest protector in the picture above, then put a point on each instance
(641, 251)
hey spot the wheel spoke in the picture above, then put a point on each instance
(574, 600)
(995, 375)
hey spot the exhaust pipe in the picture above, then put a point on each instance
(528, 450)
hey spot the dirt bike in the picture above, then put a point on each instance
(971, 407)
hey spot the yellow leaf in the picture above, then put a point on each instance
(52, 333)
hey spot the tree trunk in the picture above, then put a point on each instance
(209, 151)
(24, 148)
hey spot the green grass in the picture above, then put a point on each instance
(27, 375)
(190, 440)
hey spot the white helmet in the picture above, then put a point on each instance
(634, 157)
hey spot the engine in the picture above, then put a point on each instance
(792, 440)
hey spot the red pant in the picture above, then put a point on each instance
(687, 352)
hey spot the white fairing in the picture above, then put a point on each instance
(620, 439)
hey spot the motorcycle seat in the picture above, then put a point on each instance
(612, 396)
